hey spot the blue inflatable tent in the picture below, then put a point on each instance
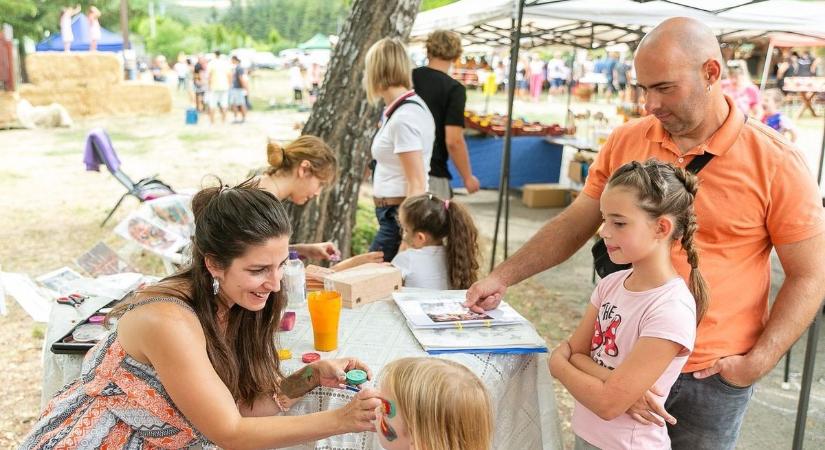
(109, 42)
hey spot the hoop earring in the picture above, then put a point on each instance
(216, 286)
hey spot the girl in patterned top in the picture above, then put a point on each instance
(193, 359)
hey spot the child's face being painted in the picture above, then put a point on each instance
(628, 231)
(391, 429)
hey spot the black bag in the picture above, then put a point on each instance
(601, 260)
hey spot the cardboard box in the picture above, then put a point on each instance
(366, 283)
(576, 171)
(545, 195)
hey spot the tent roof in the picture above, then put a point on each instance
(109, 42)
(595, 23)
(317, 42)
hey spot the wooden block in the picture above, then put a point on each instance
(545, 195)
(366, 283)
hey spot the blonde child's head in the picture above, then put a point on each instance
(648, 204)
(428, 220)
(435, 404)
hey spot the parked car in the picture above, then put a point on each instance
(267, 60)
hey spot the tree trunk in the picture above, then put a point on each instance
(343, 118)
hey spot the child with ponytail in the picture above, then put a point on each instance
(640, 327)
(441, 241)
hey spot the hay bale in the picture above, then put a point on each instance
(129, 98)
(134, 97)
(8, 109)
(75, 100)
(63, 70)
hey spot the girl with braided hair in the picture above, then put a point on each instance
(441, 244)
(640, 327)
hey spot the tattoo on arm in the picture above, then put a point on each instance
(299, 383)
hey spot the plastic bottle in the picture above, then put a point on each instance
(295, 281)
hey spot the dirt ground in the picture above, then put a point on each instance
(52, 209)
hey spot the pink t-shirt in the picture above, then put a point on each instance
(666, 312)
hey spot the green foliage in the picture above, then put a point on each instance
(171, 38)
(294, 20)
(33, 18)
(366, 226)
(432, 4)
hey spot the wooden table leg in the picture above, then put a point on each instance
(807, 104)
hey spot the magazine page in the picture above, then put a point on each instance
(151, 234)
(102, 260)
(175, 212)
(60, 281)
(444, 309)
(520, 336)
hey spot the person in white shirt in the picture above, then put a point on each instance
(403, 146)
(442, 244)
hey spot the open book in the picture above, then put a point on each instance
(444, 309)
(441, 324)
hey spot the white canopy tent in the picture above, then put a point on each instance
(591, 24)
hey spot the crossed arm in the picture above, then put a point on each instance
(609, 393)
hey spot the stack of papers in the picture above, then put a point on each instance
(442, 325)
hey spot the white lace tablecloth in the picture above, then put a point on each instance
(520, 387)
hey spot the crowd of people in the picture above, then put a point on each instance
(668, 348)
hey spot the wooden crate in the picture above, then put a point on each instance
(366, 283)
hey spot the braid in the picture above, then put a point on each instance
(698, 286)
(662, 189)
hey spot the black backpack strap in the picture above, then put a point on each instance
(699, 162)
(389, 114)
(404, 102)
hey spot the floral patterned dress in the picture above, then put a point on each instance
(118, 402)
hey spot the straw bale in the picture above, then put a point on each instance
(74, 69)
(134, 97)
(8, 109)
(128, 98)
(75, 100)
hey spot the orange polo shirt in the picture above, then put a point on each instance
(755, 193)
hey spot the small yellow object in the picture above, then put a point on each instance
(284, 354)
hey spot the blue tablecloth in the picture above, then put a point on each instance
(532, 160)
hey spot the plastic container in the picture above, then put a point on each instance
(295, 281)
(191, 116)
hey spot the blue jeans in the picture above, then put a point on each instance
(708, 412)
(388, 238)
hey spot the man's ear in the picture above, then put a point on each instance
(664, 227)
(711, 71)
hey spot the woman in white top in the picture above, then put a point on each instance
(403, 145)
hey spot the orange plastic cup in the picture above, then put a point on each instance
(325, 312)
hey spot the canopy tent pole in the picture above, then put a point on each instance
(504, 180)
(821, 157)
(807, 377)
(766, 70)
(569, 89)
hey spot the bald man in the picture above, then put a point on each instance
(756, 193)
